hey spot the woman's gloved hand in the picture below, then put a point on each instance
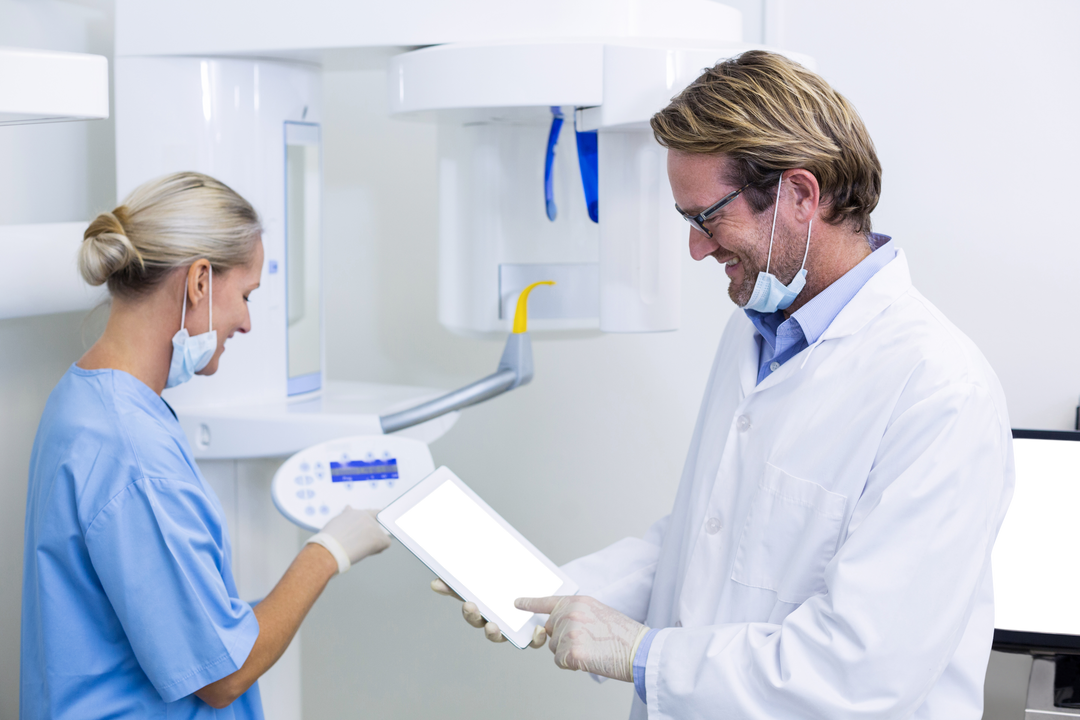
(472, 616)
(588, 635)
(352, 536)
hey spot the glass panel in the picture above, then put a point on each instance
(303, 256)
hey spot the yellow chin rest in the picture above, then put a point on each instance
(521, 315)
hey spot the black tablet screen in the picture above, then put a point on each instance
(477, 551)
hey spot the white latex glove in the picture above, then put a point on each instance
(472, 616)
(352, 536)
(588, 635)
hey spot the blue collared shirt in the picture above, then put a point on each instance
(781, 339)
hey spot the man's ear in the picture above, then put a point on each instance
(806, 192)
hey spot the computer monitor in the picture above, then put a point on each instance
(1036, 560)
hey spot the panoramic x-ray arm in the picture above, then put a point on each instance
(515, 369)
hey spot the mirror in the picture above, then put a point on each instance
(303, 265)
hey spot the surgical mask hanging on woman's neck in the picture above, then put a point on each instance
(191, 354)
(769, 293)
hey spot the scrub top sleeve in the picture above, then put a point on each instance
(158, 550)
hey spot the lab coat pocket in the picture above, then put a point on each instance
(789, 537)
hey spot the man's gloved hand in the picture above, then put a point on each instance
(588, 635)
(473, 617)
(352, 536)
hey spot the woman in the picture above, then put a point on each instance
(129, 606)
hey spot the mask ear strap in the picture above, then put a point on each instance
(807, 251)
(212, 287)
(776, 207)
(183, 305)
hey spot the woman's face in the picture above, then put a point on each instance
(231, 291)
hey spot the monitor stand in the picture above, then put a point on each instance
(1044, 684)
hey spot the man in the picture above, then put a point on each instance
(828, 555)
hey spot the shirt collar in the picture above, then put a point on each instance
(814, 317)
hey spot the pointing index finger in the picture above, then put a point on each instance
(544, 605)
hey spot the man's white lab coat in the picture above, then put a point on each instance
(828, 555)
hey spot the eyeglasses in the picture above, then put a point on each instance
(699, 220)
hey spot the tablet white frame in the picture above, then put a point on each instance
(388, 518)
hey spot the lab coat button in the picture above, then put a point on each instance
(743, 423)
(713, 526)
(773, 367)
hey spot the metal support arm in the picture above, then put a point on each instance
(515, 369)
(479, 391)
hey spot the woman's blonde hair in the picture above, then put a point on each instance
(165, 224)
(769, 114)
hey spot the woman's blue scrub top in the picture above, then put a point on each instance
(129, 604)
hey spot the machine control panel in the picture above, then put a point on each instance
(365, 471)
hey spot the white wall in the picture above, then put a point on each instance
(976, 142)
(973, 108)
(48, 173)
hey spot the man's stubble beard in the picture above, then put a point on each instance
(787, 259)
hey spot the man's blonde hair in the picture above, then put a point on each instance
(768, 114)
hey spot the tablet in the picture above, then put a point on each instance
(477, 553)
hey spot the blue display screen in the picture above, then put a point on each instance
(384, 469)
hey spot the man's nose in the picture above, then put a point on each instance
(701, 245)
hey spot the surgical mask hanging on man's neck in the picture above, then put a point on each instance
(191, 354)
(769, 293)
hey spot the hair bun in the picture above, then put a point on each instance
(106, 249)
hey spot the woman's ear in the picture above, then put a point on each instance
(198, 281)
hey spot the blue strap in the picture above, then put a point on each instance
(549, 161)
(590, 170)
